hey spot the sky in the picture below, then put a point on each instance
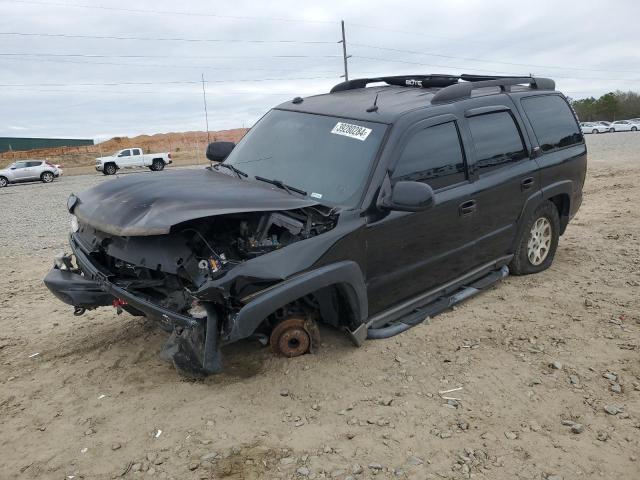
(105, 68)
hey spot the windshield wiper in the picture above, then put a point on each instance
(282, 185)
(235, 170)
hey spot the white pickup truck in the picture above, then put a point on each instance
(132, 158)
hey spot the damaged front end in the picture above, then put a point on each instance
(209, 281)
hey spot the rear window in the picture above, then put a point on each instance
(552, 121)
(497, 141)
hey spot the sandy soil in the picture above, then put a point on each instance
(88, 397)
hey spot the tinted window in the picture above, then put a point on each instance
(20, 164)
(328, 157)
(497, 140)
(125, 153)
(552, 121)
(433, 156)
(136, 151)
(34, 164)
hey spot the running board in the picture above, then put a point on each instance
(378, 328)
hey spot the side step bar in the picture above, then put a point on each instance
(385, 327)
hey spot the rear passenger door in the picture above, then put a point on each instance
(411, 252)
(34, 169)
(136, 158)
(504, 176)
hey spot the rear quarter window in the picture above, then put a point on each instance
(552, 121)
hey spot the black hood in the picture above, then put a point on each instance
(150, 204)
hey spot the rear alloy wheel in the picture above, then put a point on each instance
(538, 241)
(294, 337)
(157, 165)
(109, 169)
(47, 177)
(3, 182)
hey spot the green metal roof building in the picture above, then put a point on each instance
(19, 144)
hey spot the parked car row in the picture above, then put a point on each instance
(28, 171)
(632, 125)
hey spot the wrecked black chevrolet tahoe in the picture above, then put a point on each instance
(368, 209)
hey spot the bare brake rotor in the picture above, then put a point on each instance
(294, 337)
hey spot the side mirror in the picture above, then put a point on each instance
(218, 151)
(408, 196)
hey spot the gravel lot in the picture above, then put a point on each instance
(36, 213)
(548, 366)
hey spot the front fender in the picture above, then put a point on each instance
(346, 275)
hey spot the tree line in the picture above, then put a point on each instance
(610, 107)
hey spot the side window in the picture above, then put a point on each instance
(125, 153)
(20, 165)
(136, 151)
(34, 164)
(552, 121)
(433, 156)
(497, 141)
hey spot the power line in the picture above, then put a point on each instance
(230, 57)
(485, 70)
(175, 82)
(167, 66)
(166, 12)
(431, 54)
(166, 39)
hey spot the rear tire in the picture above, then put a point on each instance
(3, 182)
(157, 165)
(109, 169)
(46, 177)
(538, 241)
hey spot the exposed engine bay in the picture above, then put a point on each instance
(169, 269)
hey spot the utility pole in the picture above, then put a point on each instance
(344, 53)
(206, 115)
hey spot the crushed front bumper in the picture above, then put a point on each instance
(95, 288)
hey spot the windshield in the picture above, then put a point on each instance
(328, 157)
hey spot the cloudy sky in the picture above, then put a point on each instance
(97, 69)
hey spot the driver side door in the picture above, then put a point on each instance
(125, 158)
(411, 252)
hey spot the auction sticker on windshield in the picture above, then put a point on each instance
(352, 131)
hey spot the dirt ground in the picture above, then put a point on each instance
(548, 365)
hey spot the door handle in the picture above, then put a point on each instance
(527, 183)
(467, 208)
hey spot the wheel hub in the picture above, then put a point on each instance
(539, 241)
(294, 337)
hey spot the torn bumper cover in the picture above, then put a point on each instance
(95, 289)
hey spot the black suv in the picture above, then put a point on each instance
(367, 209)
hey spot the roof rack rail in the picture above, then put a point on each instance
(474, 82)
(419, 81)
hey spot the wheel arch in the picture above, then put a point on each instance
(340, 282)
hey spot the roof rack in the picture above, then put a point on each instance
(419, 81)
(473, 82)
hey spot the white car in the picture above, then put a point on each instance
(592, 127)
(28, 171)
(625, 126)
(132, 158)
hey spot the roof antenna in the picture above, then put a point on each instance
(374, 107)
